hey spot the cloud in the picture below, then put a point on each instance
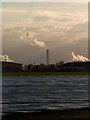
(11, 10)
(58, 20)
(41, 18)
(46, 1)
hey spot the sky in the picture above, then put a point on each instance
(29, 28)
(45, 0)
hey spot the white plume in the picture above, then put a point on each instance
(5, 58)
(30, 34)
(38, 43)
(29, 37)
(79, 58)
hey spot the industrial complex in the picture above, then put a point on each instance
(11, 66)
(75, 66)
(67, 67)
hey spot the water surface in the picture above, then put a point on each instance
(29, 93)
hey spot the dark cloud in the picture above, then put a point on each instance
(65, 20)
(81, 27)
(41, 18)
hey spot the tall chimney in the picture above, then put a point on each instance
(47, 56)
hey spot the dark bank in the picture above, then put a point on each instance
(72, 114)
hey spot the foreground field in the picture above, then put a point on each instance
(45, 73)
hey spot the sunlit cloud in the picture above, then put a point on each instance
(13, 11)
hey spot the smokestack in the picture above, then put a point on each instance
(47, 56)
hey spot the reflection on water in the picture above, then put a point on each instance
(28, 93)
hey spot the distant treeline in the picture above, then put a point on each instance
(58, 67)
(42, 67)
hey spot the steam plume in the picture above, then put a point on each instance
(38, 43)
(5, 58)
(30, 37)
(79, 58)
(30, 34)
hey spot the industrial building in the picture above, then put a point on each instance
(74, 67)
(11, 66)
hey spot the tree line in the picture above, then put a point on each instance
(42, 67)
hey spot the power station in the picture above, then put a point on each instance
(47, 56)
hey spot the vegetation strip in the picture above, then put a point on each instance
(46, 74)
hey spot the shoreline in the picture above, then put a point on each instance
(67, 114)
(45, 74)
